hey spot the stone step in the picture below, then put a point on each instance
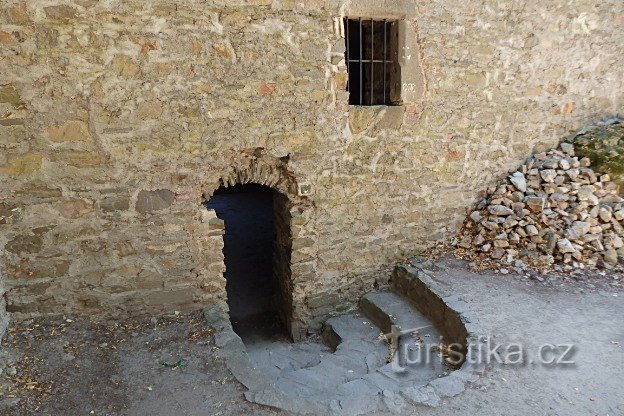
(385, 309)
(356, 372)
(351, 374)
(349, 327)
(356, 339)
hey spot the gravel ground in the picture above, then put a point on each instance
(167, 366)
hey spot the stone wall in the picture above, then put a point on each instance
(282, 251)
(118, 118)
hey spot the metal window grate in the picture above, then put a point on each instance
(371, 55)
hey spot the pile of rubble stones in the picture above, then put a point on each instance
(554, 211)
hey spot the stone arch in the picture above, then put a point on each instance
(255, 167)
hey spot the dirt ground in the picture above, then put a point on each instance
(157, 366)
(168, 366)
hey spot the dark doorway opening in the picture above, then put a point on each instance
(257, 256)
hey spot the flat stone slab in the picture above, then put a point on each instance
(279, 358)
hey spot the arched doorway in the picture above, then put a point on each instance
(257, 245)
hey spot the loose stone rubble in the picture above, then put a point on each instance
(554, 210)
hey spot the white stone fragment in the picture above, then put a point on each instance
(500, 210)
(565, 246)
(518, 180)
(548, 175)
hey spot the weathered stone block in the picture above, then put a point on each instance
(41, 269)
(18, 14)
(125, 66)
(22, 164)
(391, 118)
(33, 289)
(360, 118)
(13, 136)
(26, 244)
(150, 110)
(267, 89)
(9, 95)
(124, 248)
(115, 203)
(79, 159)
(38, 190)
(70, 131)
(323, 300)
(216, 224)
(61, 12)
(150, 201)
(74, 208)
(179, 297)
(7, 38)
(299, 243)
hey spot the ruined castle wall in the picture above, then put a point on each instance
(118, 117)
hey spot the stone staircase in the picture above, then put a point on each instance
(349, 374)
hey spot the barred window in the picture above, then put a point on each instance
(372, 51)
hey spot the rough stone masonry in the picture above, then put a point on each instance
(119, 118)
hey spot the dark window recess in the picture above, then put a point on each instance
(372, 56)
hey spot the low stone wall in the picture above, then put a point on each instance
(447, 312)
(452, 316)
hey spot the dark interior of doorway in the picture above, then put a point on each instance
(250, 246)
